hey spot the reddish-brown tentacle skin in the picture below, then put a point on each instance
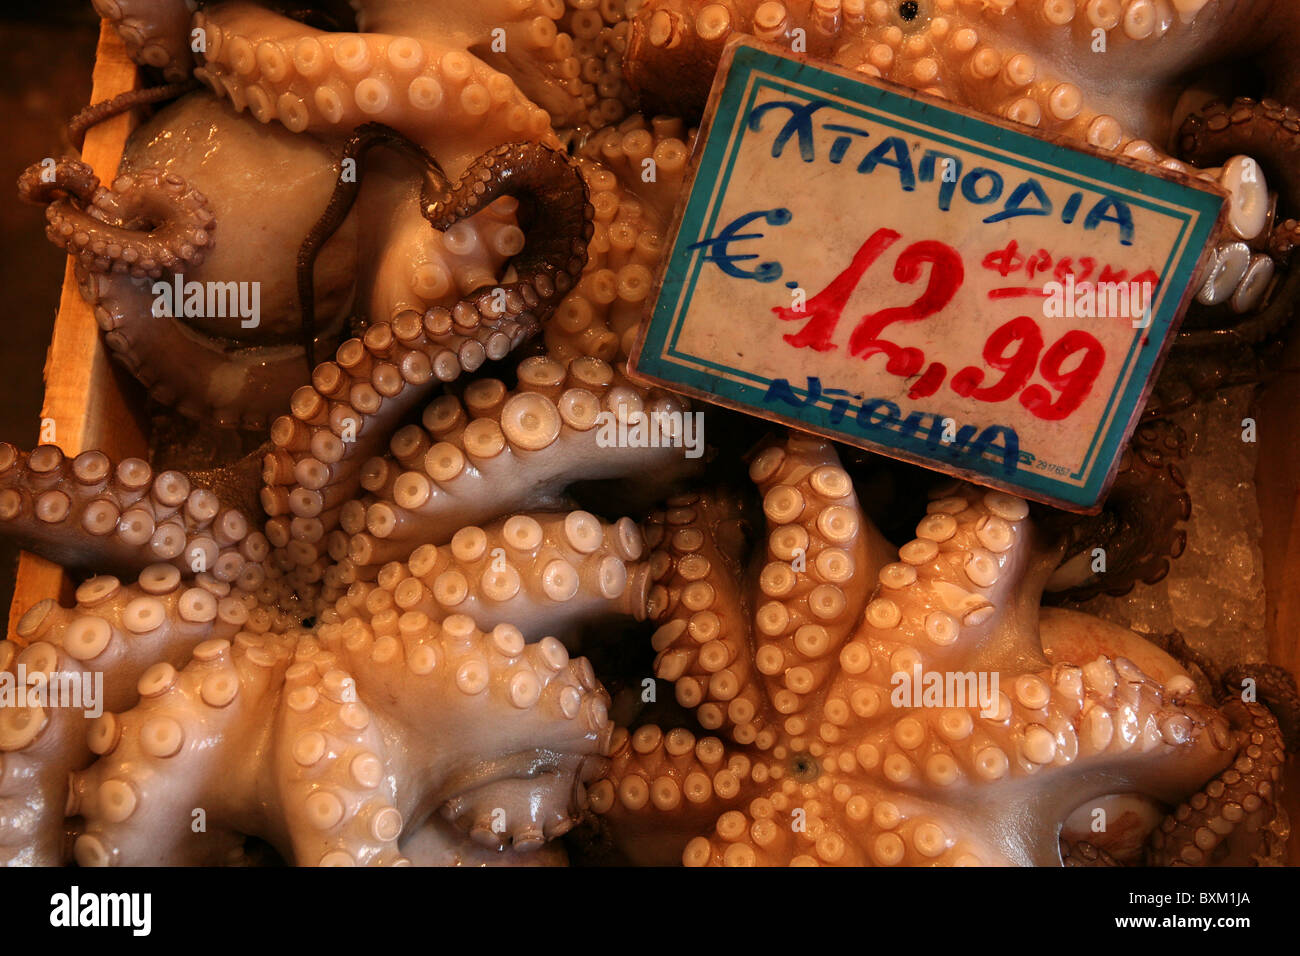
(215, 338)
(147, 224)
(1140, 530)
(97, 113)
(1265, 130)
(1269, 133)
(555, 248)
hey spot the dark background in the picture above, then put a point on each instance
(48, 51)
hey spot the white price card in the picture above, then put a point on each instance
(895, 272)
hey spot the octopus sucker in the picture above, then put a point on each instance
(440, 607)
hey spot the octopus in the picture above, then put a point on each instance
(842, 732)
(370, 641)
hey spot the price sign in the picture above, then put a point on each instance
(901, 274)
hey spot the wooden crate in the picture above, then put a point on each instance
(92, 404)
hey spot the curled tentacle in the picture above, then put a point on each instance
(149, 223)
(555, 246)
(1236, 818)
(363, 139)
(1139, 531)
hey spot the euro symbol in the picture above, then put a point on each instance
(717, 248)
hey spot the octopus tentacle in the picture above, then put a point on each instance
(1085, 854)
(1268, 133)
(650, 158)
(852, 768)
(155, 796)
(537, 572)
(87, 514)
(338, 805)
(156, 33)
(701, 643)
(97, 113)
(524, 711)
(521, 38)
(417, 268)
(151, 222)
(1265, 130)
(496, 450)
(363, 139)
(439, 843)
(199, 740)
(599, 317)
(1234, 818)
(1276, 688)
(318, 82)
(819, 556)
(205, 378)
(555, 246)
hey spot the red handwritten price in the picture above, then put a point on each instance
(1014, 349)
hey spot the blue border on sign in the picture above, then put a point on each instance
(753, 69)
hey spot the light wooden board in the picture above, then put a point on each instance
(82, 399)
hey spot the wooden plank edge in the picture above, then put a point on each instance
(82, 401)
